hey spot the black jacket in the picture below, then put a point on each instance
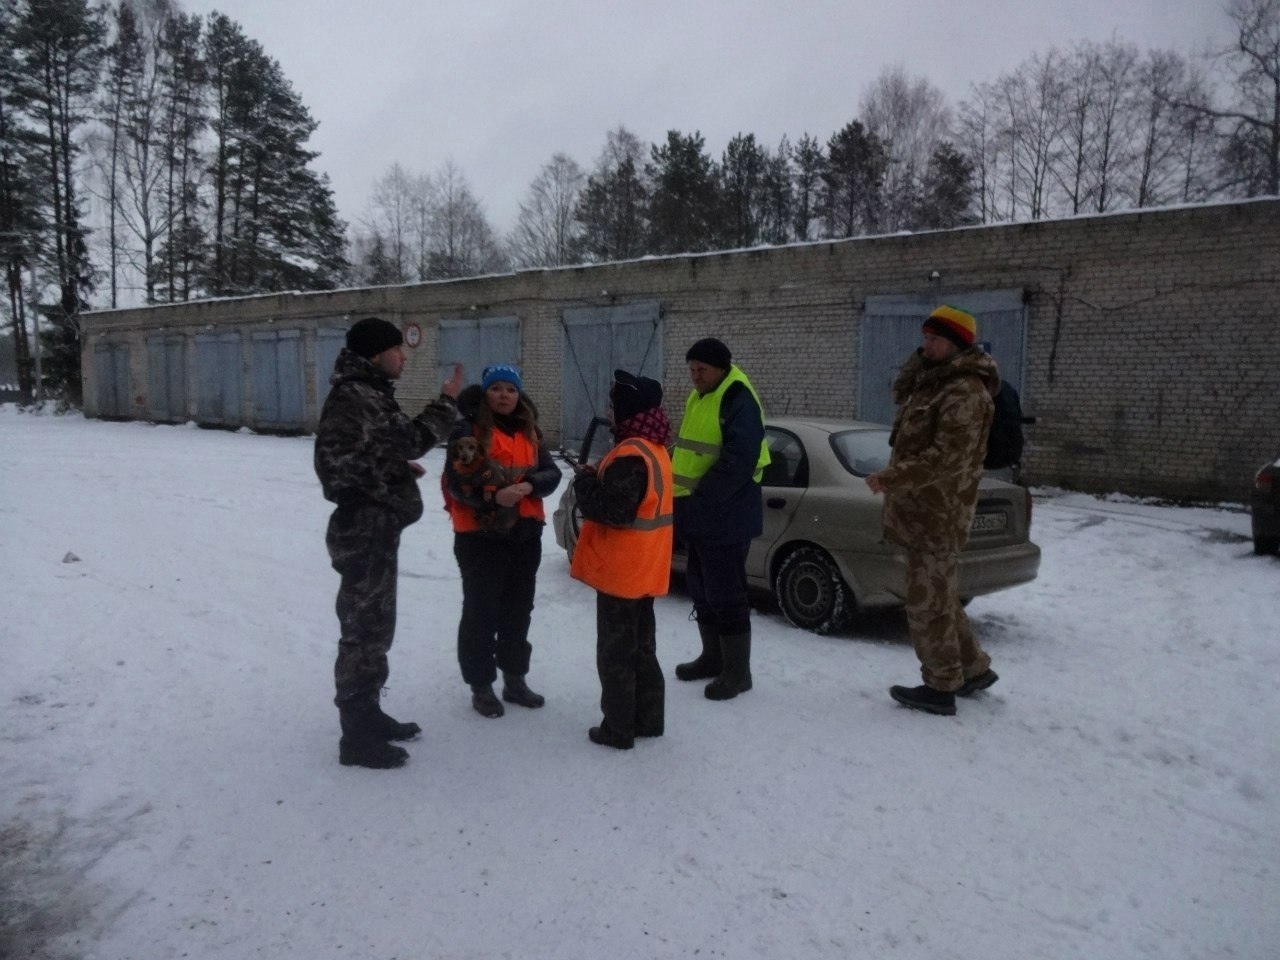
(726, 506)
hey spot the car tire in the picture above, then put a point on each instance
(1266, 546)
(811, 592)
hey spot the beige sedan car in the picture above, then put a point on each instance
(823, 555)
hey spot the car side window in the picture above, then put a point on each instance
(788, 465)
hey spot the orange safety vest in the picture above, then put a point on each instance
(632, 561)
(518, 455)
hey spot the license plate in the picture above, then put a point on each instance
(989, 522)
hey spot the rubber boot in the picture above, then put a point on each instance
(515, 690)
(361, 745)
(485, 702)
(735, 678)
(708, 662)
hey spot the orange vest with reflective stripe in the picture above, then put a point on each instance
(518, 455)
(632, 561)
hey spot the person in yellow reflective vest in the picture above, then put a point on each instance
(624, 552)
(719, 457)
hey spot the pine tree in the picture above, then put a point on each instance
(59, 44)
(183, 85)
(810, 163)
(613, 207)
(776, 200)
(947, 191)
(23, 199)
(852, 181)
(741, 185)
(684, 206)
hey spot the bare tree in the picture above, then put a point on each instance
(979, 137)
(1032, 97)
(911, 117)
(391, 217)
(1251, 157)
(462, 241)
(547, 232)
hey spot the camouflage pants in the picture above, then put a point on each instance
(364, 546)
(631, 684)
(940, 630)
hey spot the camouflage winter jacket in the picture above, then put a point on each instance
(939, 440)
(365, 441)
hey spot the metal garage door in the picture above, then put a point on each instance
(329, 343)
(598, 340)
(277, 380)
(167, 378)
(891, 331)
(111, 365)
(477, 344)
(219, 390)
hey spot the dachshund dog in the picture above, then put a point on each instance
(478, 478)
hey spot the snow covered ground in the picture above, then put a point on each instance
(168, 748)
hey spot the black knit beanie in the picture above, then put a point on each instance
(370, 336)
(710, 351)
(631, 395)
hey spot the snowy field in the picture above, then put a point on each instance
(168, 747)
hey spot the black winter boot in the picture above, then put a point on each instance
(390, 728)
(708, 662)
(484, 701)
(515, 690)
(735, 677)
(980, 682)
(361, 746)
(607, 738)
(941, 702)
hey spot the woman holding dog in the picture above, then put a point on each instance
(498, 534)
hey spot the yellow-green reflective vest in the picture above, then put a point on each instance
(699, 442)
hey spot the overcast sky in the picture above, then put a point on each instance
(498, 86)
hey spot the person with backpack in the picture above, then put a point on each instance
(1004, 441)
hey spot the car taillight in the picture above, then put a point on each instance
(1262, 482)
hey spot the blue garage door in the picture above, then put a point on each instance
(219, 384)
(597, 341)
(167, 378)
(477, 344)
(329, 343)
(111, 366)
(277, 380)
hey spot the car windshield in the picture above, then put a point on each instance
(862, 452)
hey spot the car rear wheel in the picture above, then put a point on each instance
(811, 592)
(1266, 546)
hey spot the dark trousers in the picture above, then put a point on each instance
(631, 684)
(364, 546)
(716, 577)
(498, 578)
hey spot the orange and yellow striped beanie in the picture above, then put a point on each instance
(958, 326)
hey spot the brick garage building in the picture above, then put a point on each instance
(1142, 342)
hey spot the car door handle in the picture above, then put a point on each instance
(776, 503)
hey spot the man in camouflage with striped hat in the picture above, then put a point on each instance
(930, 487)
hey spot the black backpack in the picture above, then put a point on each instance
(1004, 442)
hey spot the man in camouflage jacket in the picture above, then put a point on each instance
(939, 440)
(364, 456)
